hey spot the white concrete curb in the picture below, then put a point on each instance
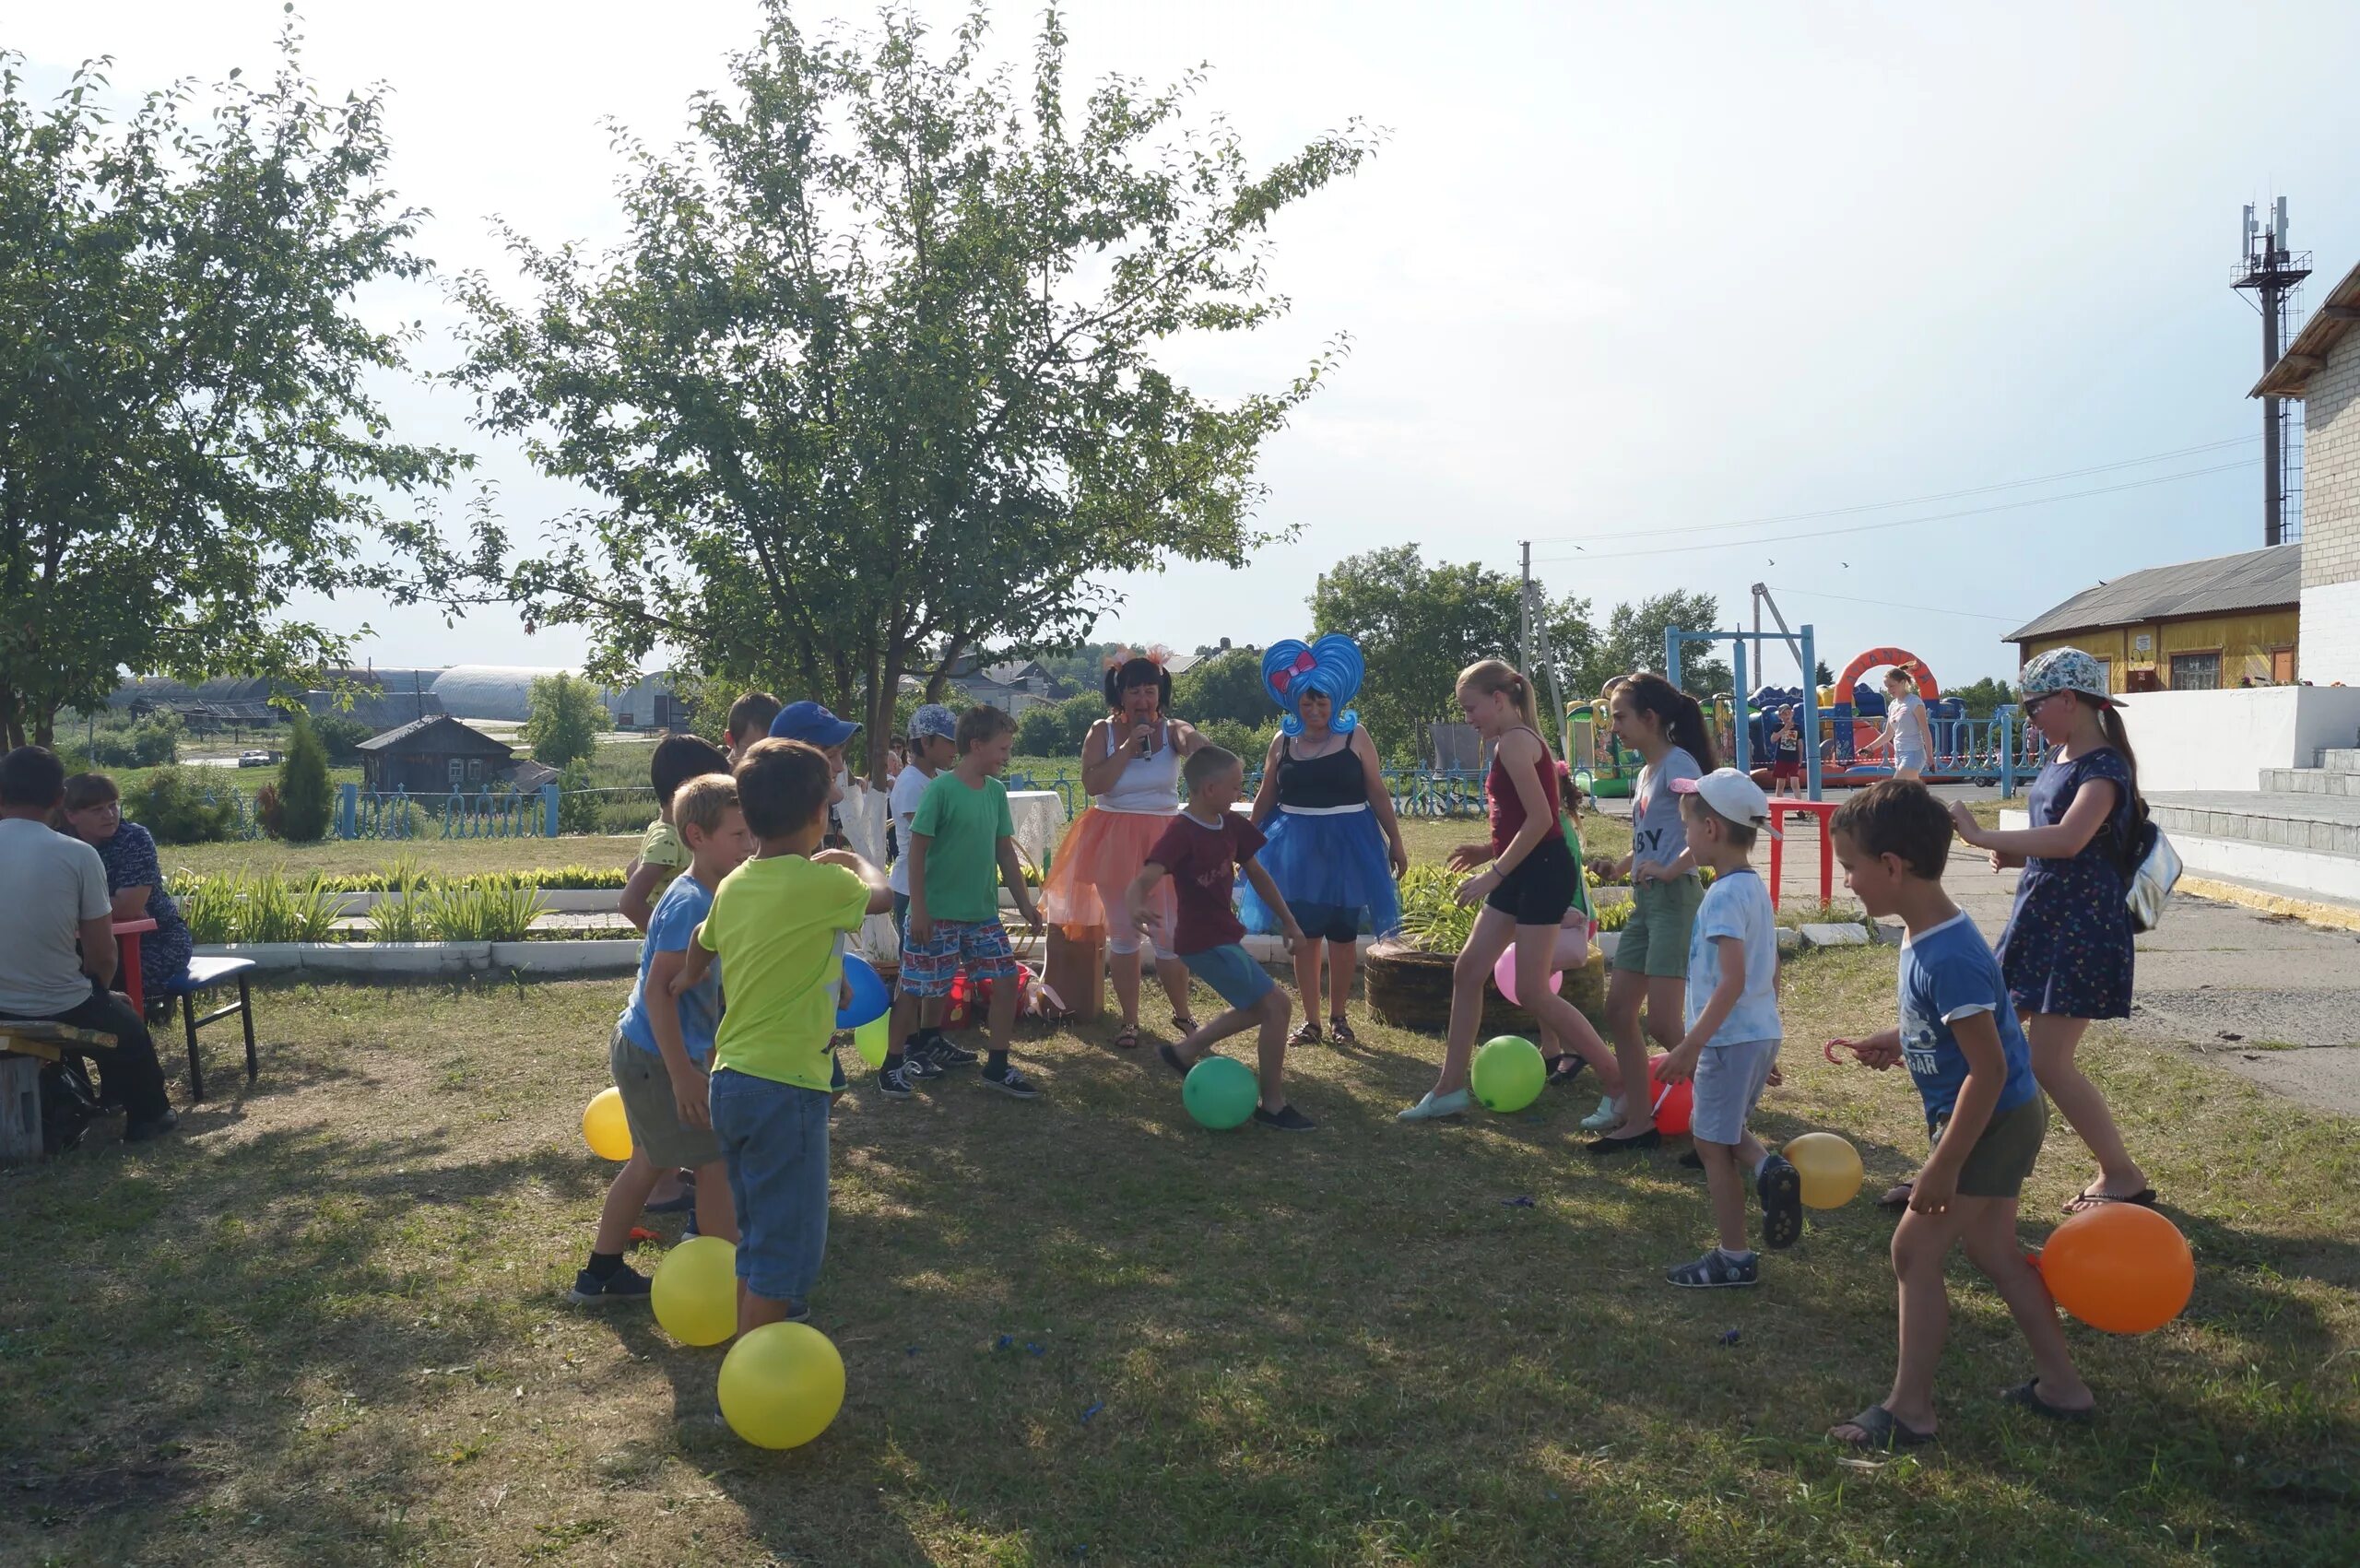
(427, 960)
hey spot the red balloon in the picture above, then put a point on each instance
(1674, 1102)
(2120, 1267)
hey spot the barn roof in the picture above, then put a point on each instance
(2263, 579)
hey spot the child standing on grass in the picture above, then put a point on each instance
(1201, 852)
(1666, 728)
(662, 853)
(934, 747)
(662, 1045)
(1531, 883)
(778, 924)
(749, 721)
(1733, 1031)
(962, 847)
(1960, 1039)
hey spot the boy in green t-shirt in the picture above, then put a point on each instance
(962, 845)
(778, 924)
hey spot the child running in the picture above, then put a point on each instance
(1733, 1031)
(1525, 895)
(962, 847)
(662, 1045)
(1203, 851)
(1666, 728)
(778, 924)
(662, 853)
(934, 747)
(1962, 1043)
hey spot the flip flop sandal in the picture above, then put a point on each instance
(1879, 1430)
(1127, 1037)
(1339, 1031)
(1185, 1024)
(1897, 1196)
(2144, 1197)
(2027, 1395)
(1306, 1033)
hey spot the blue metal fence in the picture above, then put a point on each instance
(397, 814)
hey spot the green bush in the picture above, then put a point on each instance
(341, 735)
(1057, 729)
(479, 913)
(579, 811)
(249, 908)
(1251, 744)
(306, 802)
(175, 807)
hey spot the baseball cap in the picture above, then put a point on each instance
(935, 720)
(1732, 795)
(2066, 670)
(812, 723)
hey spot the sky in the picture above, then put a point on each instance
(1618, 277)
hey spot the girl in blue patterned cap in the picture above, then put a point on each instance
(1335, 850)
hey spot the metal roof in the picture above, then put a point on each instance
(2291, 376)
(2262, 579)
(460, 738)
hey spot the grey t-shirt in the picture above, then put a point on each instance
(54, 883)
(1908, 716)
(1657, 835)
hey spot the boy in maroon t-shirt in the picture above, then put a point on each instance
(1201, 852)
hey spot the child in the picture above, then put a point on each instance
(961, 835)
(778, 924)
(1787, 755)
(662, 1044)
(2067, 950)
(662, 855)
(1201, 852)
(814, 725)
(1963, 1046)
(1525, 895)
(934, 746)
(1666, 728)
(1567, 1059)
(1732, 1040)
(1907, 734)
(749, 721)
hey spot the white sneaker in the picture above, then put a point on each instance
(1607, 1115)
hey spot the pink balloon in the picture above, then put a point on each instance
(1504, 976)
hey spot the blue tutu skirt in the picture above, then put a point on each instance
(1337, 861)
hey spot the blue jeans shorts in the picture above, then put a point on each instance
(775, 1137)
(1234, 978)
(1730, 1080)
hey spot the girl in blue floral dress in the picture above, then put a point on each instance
(2066, 951)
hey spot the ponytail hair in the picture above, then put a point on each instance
(1681, 720)
(2117, 736)
(1497, 674)
(1127, 670)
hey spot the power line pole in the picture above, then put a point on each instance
(2272, 272)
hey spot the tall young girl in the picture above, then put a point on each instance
(1907, 734)
(1526, 892)
(2066, 954)
(1666, 727)
(1130, 765)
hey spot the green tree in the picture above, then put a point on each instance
(306, 802)
(1057, 729)
(874, 380)
(341, 735)
(189, 430)
(1228, 686)
(1821, 673)
(1633, 641)
(1983, 697)
(563, 719)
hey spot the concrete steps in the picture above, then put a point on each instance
(2308, 781)
(2298, 838)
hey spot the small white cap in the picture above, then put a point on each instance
(1732, 795)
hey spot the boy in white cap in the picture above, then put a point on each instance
(1732, 1040)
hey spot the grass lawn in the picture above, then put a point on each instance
(325, 1325)
(338, 858)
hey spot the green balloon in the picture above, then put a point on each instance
(1220, 1092)
(1509, 1074)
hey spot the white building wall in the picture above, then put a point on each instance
(2222, 740)
(2330, 627)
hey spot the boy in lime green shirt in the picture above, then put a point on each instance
(779, 923)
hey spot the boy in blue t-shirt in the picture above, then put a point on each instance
(1962, 1043)
(662, 1048)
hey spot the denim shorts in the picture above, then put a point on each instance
(1233, 976)
(1730, 1080)
(775, 1137)
(929, 967)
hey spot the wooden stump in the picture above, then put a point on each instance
(1076, 971)
(1409, 988)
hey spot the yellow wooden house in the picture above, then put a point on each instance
(2198, 626)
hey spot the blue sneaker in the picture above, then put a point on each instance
(625, 1284)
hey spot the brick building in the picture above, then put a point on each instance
(2322, 367)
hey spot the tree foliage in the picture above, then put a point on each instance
(1226, 686)
(874, 380)
(188, 435)
(306, 802)
(563, 719)
(1984, 696)
(1633, 641)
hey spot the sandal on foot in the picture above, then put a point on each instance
(1185, 1024)
(2028, 1396)
(1306, 1033)
(1339, 1031)
(1127, 1037)
(2144, 1197)
(1564, 1068)
(1879, 1430)
(1897, 1196)
(1780, 1187)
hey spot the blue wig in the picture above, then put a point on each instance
(1331, 666)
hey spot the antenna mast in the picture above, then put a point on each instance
(2275, 274)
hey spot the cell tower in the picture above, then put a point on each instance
(2274, 275)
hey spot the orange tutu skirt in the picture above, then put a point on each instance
(1094, 866)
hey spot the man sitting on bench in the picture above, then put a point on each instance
(57, 897)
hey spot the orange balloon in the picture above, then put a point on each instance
(2120, 1267)
(1674, 1102)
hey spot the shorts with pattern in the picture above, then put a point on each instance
(980, 946)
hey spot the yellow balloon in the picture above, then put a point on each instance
(604, 1127)
(873, 1038)
(782, 1384)
(695, 1292)
(1830, 1169)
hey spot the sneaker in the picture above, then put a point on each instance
(1631, 1145)
(1011, 1082)
(1435, 1106)
(940, 1051)
(1286, 1118)
(893, 1082)
(1607, 1115)
(625, 1284)
(1781, 1189)
(1717, 1270)
(919, 1065)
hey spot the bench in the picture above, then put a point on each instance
(24, 1046)
(203, 974)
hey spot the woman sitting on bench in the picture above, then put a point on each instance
(93, 813)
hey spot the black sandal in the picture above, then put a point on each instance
(2144, 1197)
(2028, 1396)
(1339, 1031)
(1880, 1430)
(1560, 1074)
